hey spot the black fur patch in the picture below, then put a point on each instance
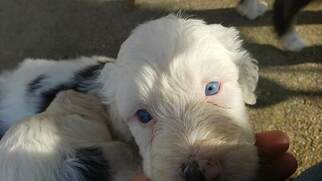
(36, 83)
(83, 81)
(90, 164)
(48, 96)
(86, 78)
(2, 127)
(285, 12)
(90, 72)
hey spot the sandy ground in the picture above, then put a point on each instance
(290, 86)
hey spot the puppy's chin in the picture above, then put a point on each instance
(234, 162)
(241, 163)
(221, 157)
(237, 162)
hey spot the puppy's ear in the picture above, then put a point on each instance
(108, 79)
(105, 80)
(248, 69)
(248, 78)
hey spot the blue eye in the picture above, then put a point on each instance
(212, 88)
(144, 116)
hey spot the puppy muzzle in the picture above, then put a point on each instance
(208, 145)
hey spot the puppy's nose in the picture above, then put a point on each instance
(193, 172)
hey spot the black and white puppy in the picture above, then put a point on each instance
(284, 16)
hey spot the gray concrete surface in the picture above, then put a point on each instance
(290, 86)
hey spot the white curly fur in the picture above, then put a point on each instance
(163, 67)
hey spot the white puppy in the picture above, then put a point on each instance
(178, 87)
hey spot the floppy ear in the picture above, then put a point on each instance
(247, 66)
(248, 78)
(108, 79)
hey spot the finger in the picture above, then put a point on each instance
(271, 143)
(279, 169)
(141, 177)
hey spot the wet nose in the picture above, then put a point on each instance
(192, 172)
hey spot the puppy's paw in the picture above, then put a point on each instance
(252, 9)
(293, 42)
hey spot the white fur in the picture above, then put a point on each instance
(15, 103)
(163, 67)
(293, 42)
(252, 8)
(43, 147)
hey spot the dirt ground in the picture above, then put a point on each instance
(290, 85)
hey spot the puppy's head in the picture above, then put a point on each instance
(180, 86)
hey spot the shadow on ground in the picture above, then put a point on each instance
(59, 29)
(272, 56)
(270, 93)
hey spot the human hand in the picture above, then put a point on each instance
(141, 177)
(275, 163)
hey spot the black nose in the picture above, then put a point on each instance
(192, 172)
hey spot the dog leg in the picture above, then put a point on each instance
(251, 8)
(284, 17)
(293, 42)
